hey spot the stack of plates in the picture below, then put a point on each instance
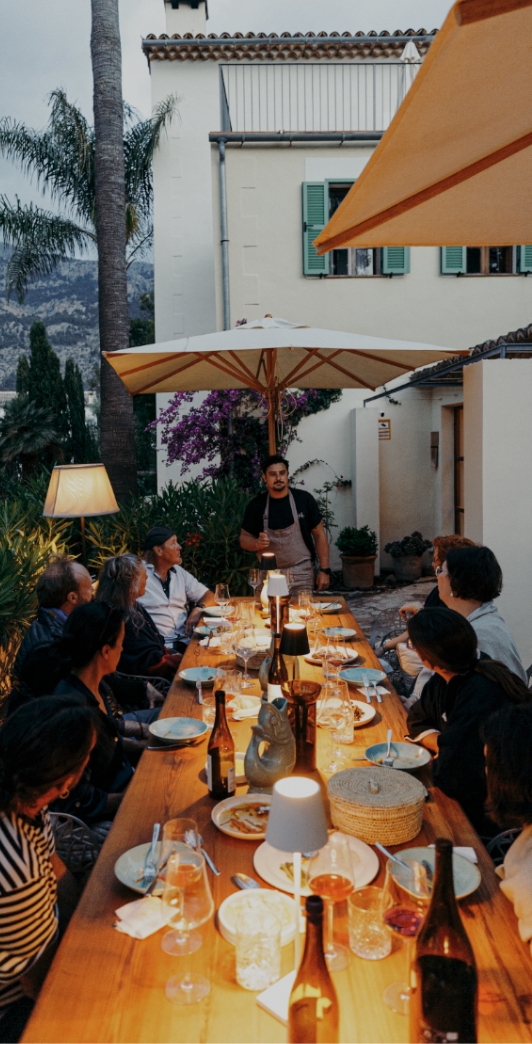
(178, 732)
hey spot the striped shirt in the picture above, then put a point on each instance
(28, 891)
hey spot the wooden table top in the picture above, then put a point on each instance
(104, 986)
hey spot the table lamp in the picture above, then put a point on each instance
(78, 491)
(296, 824)
(277, 592)
(268, 565)
(294, 642)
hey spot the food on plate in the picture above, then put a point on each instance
(357, 713)
(288, 871)
(248, 818)
(266, 902)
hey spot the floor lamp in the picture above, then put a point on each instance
(79, 491)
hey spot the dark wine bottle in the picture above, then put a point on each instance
(443, 977)
(221, 755)
(277, 674)
(313, 1014)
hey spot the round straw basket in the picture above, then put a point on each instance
(377, 804)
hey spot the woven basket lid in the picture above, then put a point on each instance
(376, 787)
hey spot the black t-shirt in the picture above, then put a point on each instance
(280, 515)
(433, 600)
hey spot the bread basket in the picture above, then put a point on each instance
(377, 804)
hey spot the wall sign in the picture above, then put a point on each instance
(385, 429)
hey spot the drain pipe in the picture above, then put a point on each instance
(223, 235)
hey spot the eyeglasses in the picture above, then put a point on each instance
(438, 570)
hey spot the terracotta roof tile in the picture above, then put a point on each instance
(258, 46)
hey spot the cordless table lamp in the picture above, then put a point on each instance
(277, 590)
(294, 642)
(78, 491)
(296, 824)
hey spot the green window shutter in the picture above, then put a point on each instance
(315, 199)
(525, 258)
(453, 260)
(395, 260)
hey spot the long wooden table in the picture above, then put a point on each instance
(105, 987)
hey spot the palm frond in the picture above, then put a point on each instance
(140, 142)
(40, 240)
(26, 431)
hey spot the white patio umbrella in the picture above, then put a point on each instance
(411, 59)
(271, 355)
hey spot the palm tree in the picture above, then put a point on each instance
(28, 436)
(97, 175)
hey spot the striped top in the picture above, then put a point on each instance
(28, 890)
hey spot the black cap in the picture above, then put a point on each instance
(156, 536)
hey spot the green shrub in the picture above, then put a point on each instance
(361, 542)
(409, 545)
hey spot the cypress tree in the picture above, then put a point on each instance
(23, 376)
(76, 412)
(45, 384)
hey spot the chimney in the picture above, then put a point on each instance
(186, 16)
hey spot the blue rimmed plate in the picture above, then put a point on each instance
(357, 675)
(340, 633)
(408, 756)
(466, 876)
(178, 730)
(205, 675)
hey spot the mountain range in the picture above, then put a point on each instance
(67, 303)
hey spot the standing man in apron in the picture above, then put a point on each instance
(289, 523)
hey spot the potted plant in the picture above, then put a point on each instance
(358, 551)
(407, 556)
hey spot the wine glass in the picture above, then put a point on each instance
(222, 596)
(335, 713)
(246, 648)
(178, 834)
(331, 875)
(187, 903)
(402, 913)
(254, 579)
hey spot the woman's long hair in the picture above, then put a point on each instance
(118, 585)
(41, 744)
(508, 738)
(447, 640)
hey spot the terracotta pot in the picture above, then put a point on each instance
(408, 567)
(358, 570)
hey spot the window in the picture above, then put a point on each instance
(320, 200)
(486, 260)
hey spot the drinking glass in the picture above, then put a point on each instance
(331, 875)
(209, 710)
(402, 914)
(254, 581)
(335, 714)
(258, 950)
(221, 595)
(246, 613)
(246, 648)
(187, 903)
(303, 601)
(179, 835)
(368, 936)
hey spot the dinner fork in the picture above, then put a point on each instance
(150, 862)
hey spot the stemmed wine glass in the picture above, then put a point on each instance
(334, 714)
(246, 648)
(222, 596)
(254, 581)
(402, 912)
(331, 875)
(180, 834)
(188, 903)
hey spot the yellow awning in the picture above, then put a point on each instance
(455, 166)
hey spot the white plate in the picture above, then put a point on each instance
(130, 865)
(205, 675)
(240, 904)
(215, 625)
(233, 802)
(268, 861)
(340, 633)
(178, 730)
(220, 610)
(251, 708)
(466, 875)
(328, 607)
(368, 712)
(317, 661)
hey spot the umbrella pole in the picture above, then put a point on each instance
(271, 394)
(272, 446)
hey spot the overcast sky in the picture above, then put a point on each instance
(46, 44)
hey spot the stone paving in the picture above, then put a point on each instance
(385, 604)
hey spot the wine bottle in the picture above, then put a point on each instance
(221, 755)
(313, 1014)
(277, 674)
(443, 977)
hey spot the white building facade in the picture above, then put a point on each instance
(272, 131)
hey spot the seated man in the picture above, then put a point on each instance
(169, 589)
(63, 586)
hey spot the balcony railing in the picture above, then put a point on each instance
(336, 96)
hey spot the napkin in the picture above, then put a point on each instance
(465, 851)
(140, 918)
(275, 999)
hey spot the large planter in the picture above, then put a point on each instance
(408, 568)
(358, 570)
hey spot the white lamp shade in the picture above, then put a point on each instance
(296, 821)
(277, 585)
(77, 490)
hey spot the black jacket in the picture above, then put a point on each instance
(143, 645)
(458, 709)
(46, 627)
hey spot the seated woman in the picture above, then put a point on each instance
(121, 582)
(455, 703)
(508, 739)
(44, 749)
(468, 582)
